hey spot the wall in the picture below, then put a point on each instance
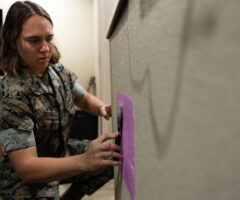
(179, 61)
(103, 11)
(73, 28)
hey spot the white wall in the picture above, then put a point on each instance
(73, 27)
(102, 18)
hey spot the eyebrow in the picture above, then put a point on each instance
(37, 37)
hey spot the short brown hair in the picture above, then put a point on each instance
(17, 15)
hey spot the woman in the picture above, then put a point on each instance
(37, 100)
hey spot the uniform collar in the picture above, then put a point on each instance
(38, 85)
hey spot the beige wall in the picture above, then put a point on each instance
(179, 61)
(103, 11)
(73, 27)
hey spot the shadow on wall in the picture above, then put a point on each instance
(146, 6)
(162, 138)
(165, 138)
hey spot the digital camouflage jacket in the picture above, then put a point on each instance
(34, 111)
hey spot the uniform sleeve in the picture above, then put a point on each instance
(77, 89)
(77, 92)
(16, 125)
(71, 76)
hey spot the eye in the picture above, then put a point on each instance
(49, 38)
(33, 40)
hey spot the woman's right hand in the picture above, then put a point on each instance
(101, 154)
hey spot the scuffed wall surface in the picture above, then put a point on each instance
(180, 63)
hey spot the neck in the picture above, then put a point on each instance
(37, 72)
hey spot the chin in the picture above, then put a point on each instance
(42, 68)
(45, 65)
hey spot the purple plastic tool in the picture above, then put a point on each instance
(125, 105)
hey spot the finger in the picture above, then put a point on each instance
(109, 110)
(103, 111)
(107, 117)
(108, 136)
(111, 163)
(112, 154)
(110, 147)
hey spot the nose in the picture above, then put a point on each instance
(44, 47)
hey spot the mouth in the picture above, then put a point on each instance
(43, 59)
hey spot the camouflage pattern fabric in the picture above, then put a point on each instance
(87, 182)
(34, 111)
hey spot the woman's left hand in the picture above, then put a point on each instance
(106, 111)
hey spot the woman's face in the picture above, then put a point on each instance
(35, 44)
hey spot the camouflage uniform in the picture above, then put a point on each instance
(38, 111)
